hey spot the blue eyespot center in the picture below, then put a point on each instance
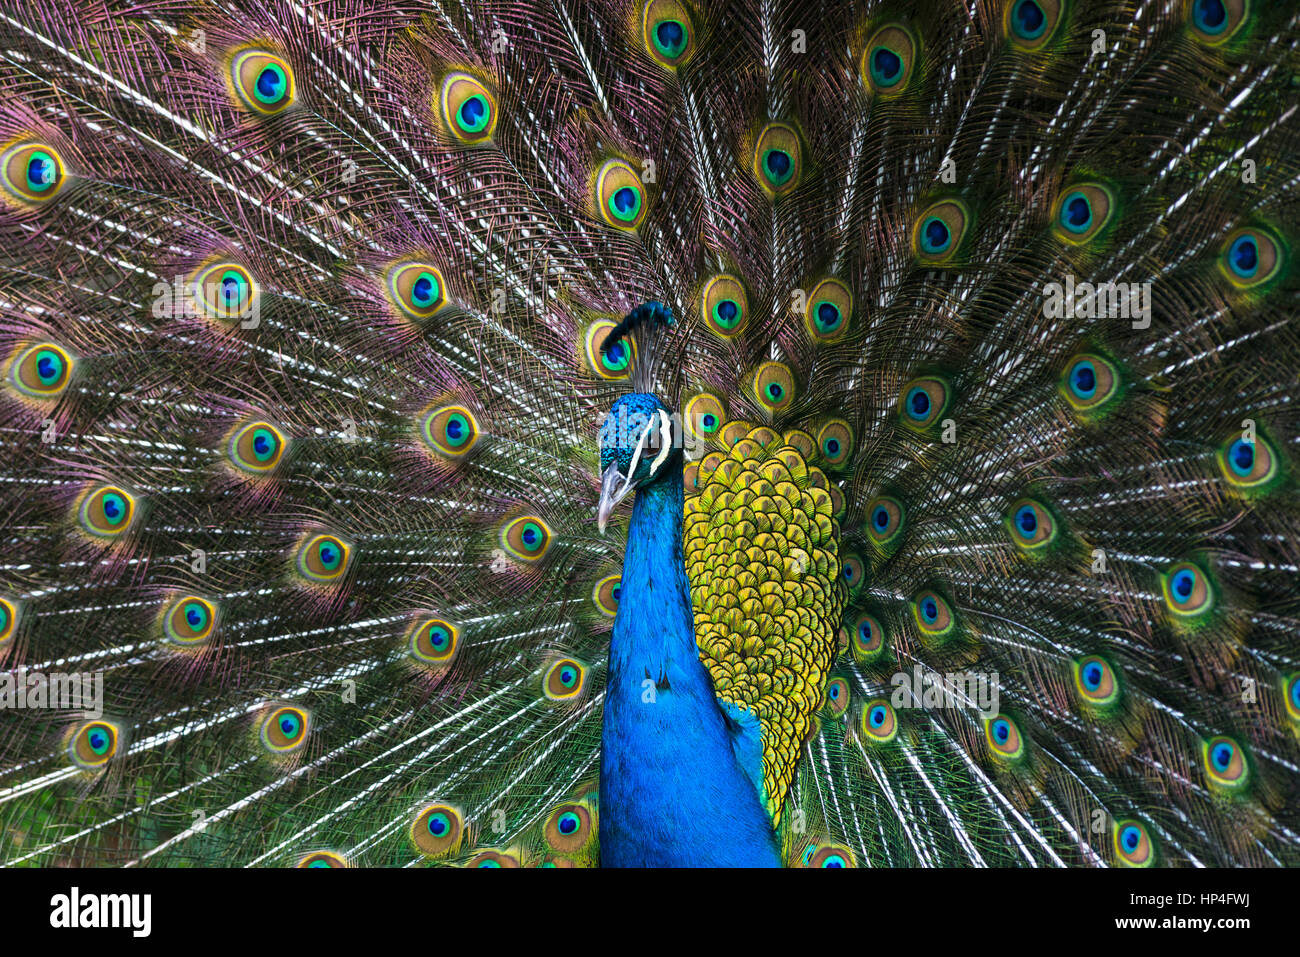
(1242, 457)
(930, 610)
(41, 172)
(1092, 674)
(1028, 20)
(1083, 379)
(1182, 585)
(437, 825)
(474, 113)
(1027, 521)
(1001, 731)
(877, 716)
(728, 310)
(270, 84)
(671, 36)
(778, 164)
(114, 508)
(918, 403)
(1076, 213)
(1130, 837)
(935, 235)
(1244, 256)
(569, 823)
(1221, 756)
(625, 200)
(880, 518)
(1211, 16)
(886, 65)
(828, 317)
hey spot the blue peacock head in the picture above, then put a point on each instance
(640, 437)
(639, 440)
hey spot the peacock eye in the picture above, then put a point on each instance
(323, 558)
(1090, 384)
(605, 595)
(829, 306)
(256, 447)
(866, 638)
(433, 641)
(8, 620)
(939, 231)
(704, 415)
(469, 110)
(189, 621)
(1003, 736)
(324, 859)
(450, 431)
(853, 571)
(32, 172)
(1215, 21)
(416, 290)
(1082, 212)
(1031, 23)
(41, 371)
(888, 60)
(1290, 693)
(1096, 681)
(1187, 590)
(612, 362)
(1225, 763)
(933, 614)
(1133, 846)
(437, 830)
(224, 291)
(92, 744)
(828, 855)
(923, 402)
(620, 195)
(777, 159)
(284, 729)
(884, 520)
(774, 386)
(837, 696)
(835, 442)
(879, 722)
(568, 827)
(107, 511)
(724, 305)
(1031, 525)
(526, 538)
(564, 680)
(666, 27)
(262, 81)
(1250, 257)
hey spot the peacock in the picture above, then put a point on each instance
(730, 433)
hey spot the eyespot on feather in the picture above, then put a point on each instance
(41, 371)
(620, 195)
(778, 159)
(32, 173)
(433, 642)
(468, 108)
(262, 81)
(889, 59)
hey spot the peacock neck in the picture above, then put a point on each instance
(672, 791)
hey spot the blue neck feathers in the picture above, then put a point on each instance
(672, 791)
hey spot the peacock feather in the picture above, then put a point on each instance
(944, 352)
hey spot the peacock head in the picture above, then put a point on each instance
(639, 440)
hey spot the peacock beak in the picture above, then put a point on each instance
(614, 486)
